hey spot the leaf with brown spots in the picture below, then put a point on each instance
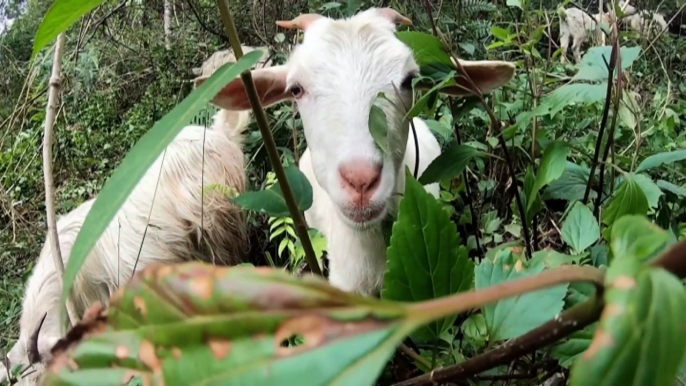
(641, 336)
(196, 323)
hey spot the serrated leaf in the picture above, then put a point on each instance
(271, 200)
(634, 237)
(475, 329)
(61, 15)
(580, 230)
(449, 164)
(593, 65)
(551, 168)
(571, 185)
(139, 159)
(196, 323)
(642, 340)
(660, 159)
(425, 258)
(515, 316)
(629, 199)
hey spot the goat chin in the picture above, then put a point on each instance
(164, 214)
(357, 256)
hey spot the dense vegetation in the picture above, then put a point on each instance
(553, 170)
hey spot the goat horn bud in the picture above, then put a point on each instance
(301, 22)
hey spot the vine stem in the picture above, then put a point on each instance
(269, 144)
(50, 117)
(465, 301)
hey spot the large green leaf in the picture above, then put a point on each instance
(272, 202)
(629, 199)
(425, 258)
(593, 65)
(575, 93)
(641, 337)
(649, 188)
(195, 323)
(571, 185)
(61, 15)
(428, 49)
(139, 159)
(637, 238)
(517, 315)
(660, 159)
(670, 187)
(449, 164)
(580, 230)
(551, 168)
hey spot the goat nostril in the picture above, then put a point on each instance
(362, 177)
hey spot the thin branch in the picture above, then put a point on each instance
(462, 302)
(51, 111)
(251, 91)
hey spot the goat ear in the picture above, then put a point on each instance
(487, 75)
(270, 84)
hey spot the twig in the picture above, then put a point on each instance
(456, 304)
(298, 220)
(51, 111)
(603, 123)
(410, 353)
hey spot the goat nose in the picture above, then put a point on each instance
(362, 177)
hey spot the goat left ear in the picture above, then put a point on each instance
(270, 84)
(487, 75)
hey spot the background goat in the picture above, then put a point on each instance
(166, 218)
(575, 24)
(334, 76)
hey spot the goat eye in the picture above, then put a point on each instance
(296, 90)
(407, 82)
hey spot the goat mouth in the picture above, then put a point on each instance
(364, 216)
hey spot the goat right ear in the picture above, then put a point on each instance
(270, 84)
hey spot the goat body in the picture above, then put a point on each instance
(162, 220)
(575, 25)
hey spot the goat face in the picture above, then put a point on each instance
(335, 76)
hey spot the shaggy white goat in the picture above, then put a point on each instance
(577, 24)
(642, 20)
(334, 75)
(179, 229)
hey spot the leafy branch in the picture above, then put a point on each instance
(270, 145)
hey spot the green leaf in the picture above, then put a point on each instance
(571, 185)
(670, 187)
(272, 202)
(196, 323)
(138, 161)
(551, 168)
(500, 33)
(378, 127)
(551, 258)
(634, 237)
(660, 159)
(428, 49)
(629, 199)
(574, 93)
(448, 80)
(61, 15)
(641, 341)
(515, 316)
(593, 67)
(443, 130)
(649, 188)
(515, 3)
(531, 200)
(475, 329)
(580, 230)
(425, 258)
(568, 351)
(449, 164)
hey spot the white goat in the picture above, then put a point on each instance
(334, 75)
(642, 20)
(576, 24)
(163, 214)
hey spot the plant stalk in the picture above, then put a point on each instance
(462, 302)
(270, 145)
(50, 115)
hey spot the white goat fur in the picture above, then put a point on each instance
(174, 233)
(641, 20)
(340, 67)
(576, 25)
